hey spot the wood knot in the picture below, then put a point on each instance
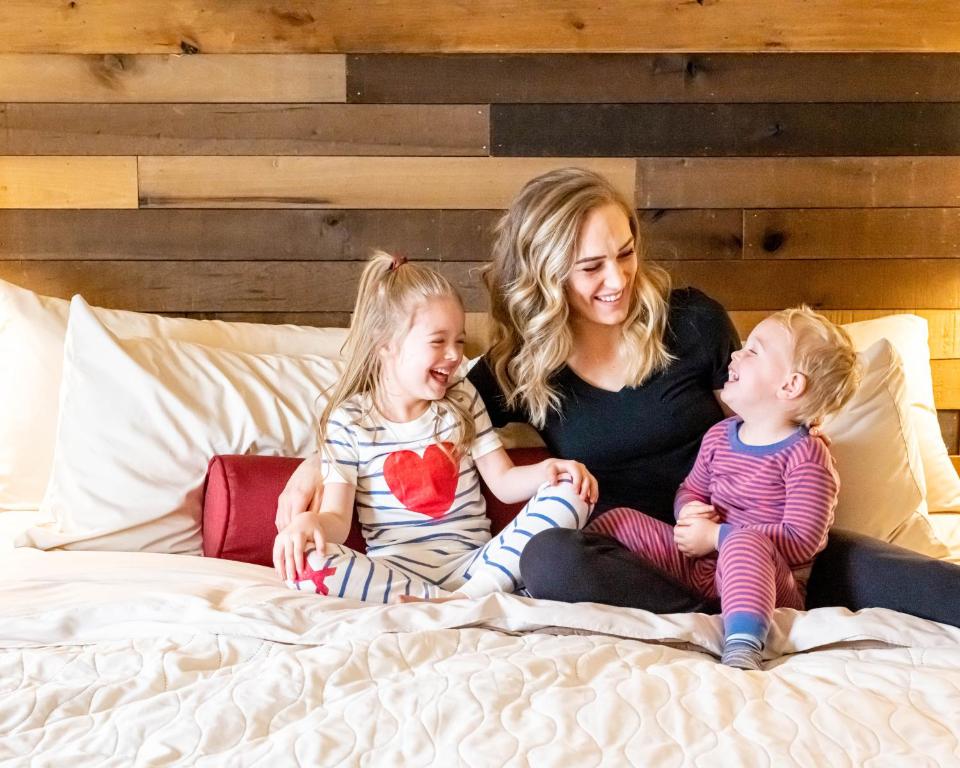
(188, 48)
(773, 241)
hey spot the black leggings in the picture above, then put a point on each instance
(853, 571)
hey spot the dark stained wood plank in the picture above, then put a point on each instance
(787, 182)
(652, 78)
(40, 77)
(849, 234)
(829, 284)
(242, 129)
(679, 234)
(950, 429)
(212, 286)
(436, 26)
(721, 130)
(230, 235)
(315, 319)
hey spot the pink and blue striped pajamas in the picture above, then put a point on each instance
(776, 504)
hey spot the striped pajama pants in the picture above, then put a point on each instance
(748, 573)
(431, 571)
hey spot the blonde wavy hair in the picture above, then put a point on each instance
(824, 354)
(533, 257)
(391, 290)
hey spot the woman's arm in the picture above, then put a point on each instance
(331, 523)
(511, 483)
(302, 493)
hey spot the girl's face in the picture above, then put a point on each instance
(600, 287)
(420, 365)
(758, 372)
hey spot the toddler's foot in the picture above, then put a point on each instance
(741, 654)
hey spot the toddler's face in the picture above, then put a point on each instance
(420, 365)
(759, 370)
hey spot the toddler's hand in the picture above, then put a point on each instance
(698, 509)
(584, 483)
(292, 544)
(696, 536)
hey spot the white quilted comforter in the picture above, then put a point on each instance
(123, 659)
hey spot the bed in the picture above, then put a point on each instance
(119, 645)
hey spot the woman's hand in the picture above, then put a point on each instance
(698, 509)
(696, 536)
(584, 483)
(302, 492)
(293, 542)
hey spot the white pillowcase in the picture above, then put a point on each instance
(909, 335)
(878, 459)
(32, 329)
(140, 419)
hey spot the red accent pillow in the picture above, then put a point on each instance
(240, 505)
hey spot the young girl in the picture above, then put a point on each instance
(403, 441)
(756, 507)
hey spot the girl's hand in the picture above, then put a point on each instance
(696, 537)
(698, 509)
(292, 544)
(584, 483)
(302, 493)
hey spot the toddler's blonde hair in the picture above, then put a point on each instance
(824, 354)
(391, 290)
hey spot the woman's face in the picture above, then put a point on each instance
(600, 287)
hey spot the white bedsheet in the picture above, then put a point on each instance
(116, 659)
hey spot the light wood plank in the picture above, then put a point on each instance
(943, 324)
(215, 78)
(886, 284)
(852, 233)
(436, 26)
(244, 129)
(351, 182)
(946, 383)
(68, 182)
(793, 182)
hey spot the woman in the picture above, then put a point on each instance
(592, 348)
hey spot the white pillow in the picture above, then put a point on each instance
(140, 419)
(909, 335)
(32, 329)
(878, 458)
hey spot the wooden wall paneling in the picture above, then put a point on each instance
(40, 77)
(214, 286)
(432, 26)
(851, 233)
(699, 78)
(946, 383)
(68, 182)
(679, 234)
(232, 235)
(706, 130)
(316, 319)
(795, 182)
(943, 324)
(950, 429)
(886, 284)
(243, 129)
(351, 182)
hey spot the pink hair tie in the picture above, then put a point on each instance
(398, 261)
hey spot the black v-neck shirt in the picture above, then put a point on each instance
(640, 442)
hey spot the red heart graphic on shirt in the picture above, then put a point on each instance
(426, 485)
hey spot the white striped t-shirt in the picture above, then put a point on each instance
(409, 495)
